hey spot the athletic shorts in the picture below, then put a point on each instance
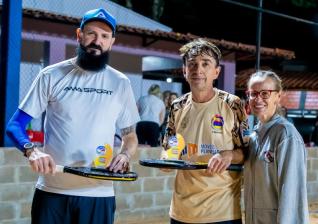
(148, 132)
(51, 208)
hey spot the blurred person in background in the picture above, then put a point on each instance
(84, 100)
(275, 169)
(165, 98)
(152, 111)
(172, 97)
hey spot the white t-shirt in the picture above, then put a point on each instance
(82, 111)
(150, 107)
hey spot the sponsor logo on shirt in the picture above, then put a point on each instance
(190, 149)
(217, 123)
(208, 149)
(269, 156)
(193, 149)
(88, 90)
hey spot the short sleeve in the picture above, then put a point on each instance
(129, 113)
(240, 126)
(170, 128)
(36, 100)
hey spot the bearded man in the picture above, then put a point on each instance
(85, 100)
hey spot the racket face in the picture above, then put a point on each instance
(172, 164)
(102, 174)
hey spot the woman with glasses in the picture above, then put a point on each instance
(275, 169)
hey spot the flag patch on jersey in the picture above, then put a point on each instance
(217, 123)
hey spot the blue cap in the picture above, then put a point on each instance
(99, 15)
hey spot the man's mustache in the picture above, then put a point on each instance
(92, 45)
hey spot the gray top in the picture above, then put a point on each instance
(275, 175)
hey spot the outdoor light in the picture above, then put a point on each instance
(169, 80)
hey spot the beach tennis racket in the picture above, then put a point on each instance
(182, 165)
(97, 173)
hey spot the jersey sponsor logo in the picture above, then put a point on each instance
(269, 156)
(217, 123)
(208, 149)
(190, 149)
(88, 90)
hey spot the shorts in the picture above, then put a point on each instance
(51, 208)
(148, 133)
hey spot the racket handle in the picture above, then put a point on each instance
(59, 169)
(235, 167)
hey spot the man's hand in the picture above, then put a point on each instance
(128, 148)
(41, 162)
(220, 161)
(120, 163)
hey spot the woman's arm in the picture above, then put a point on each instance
(292, 180)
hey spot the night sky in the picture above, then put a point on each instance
(222, 20)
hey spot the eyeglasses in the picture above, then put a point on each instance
(264, 94)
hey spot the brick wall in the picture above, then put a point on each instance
(290, 99)
(146, 200)
(311, 100)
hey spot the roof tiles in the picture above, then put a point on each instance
(172, 36)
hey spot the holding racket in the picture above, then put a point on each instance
(182, 165)
(97, 173)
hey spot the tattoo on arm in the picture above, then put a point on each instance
(126, 131)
